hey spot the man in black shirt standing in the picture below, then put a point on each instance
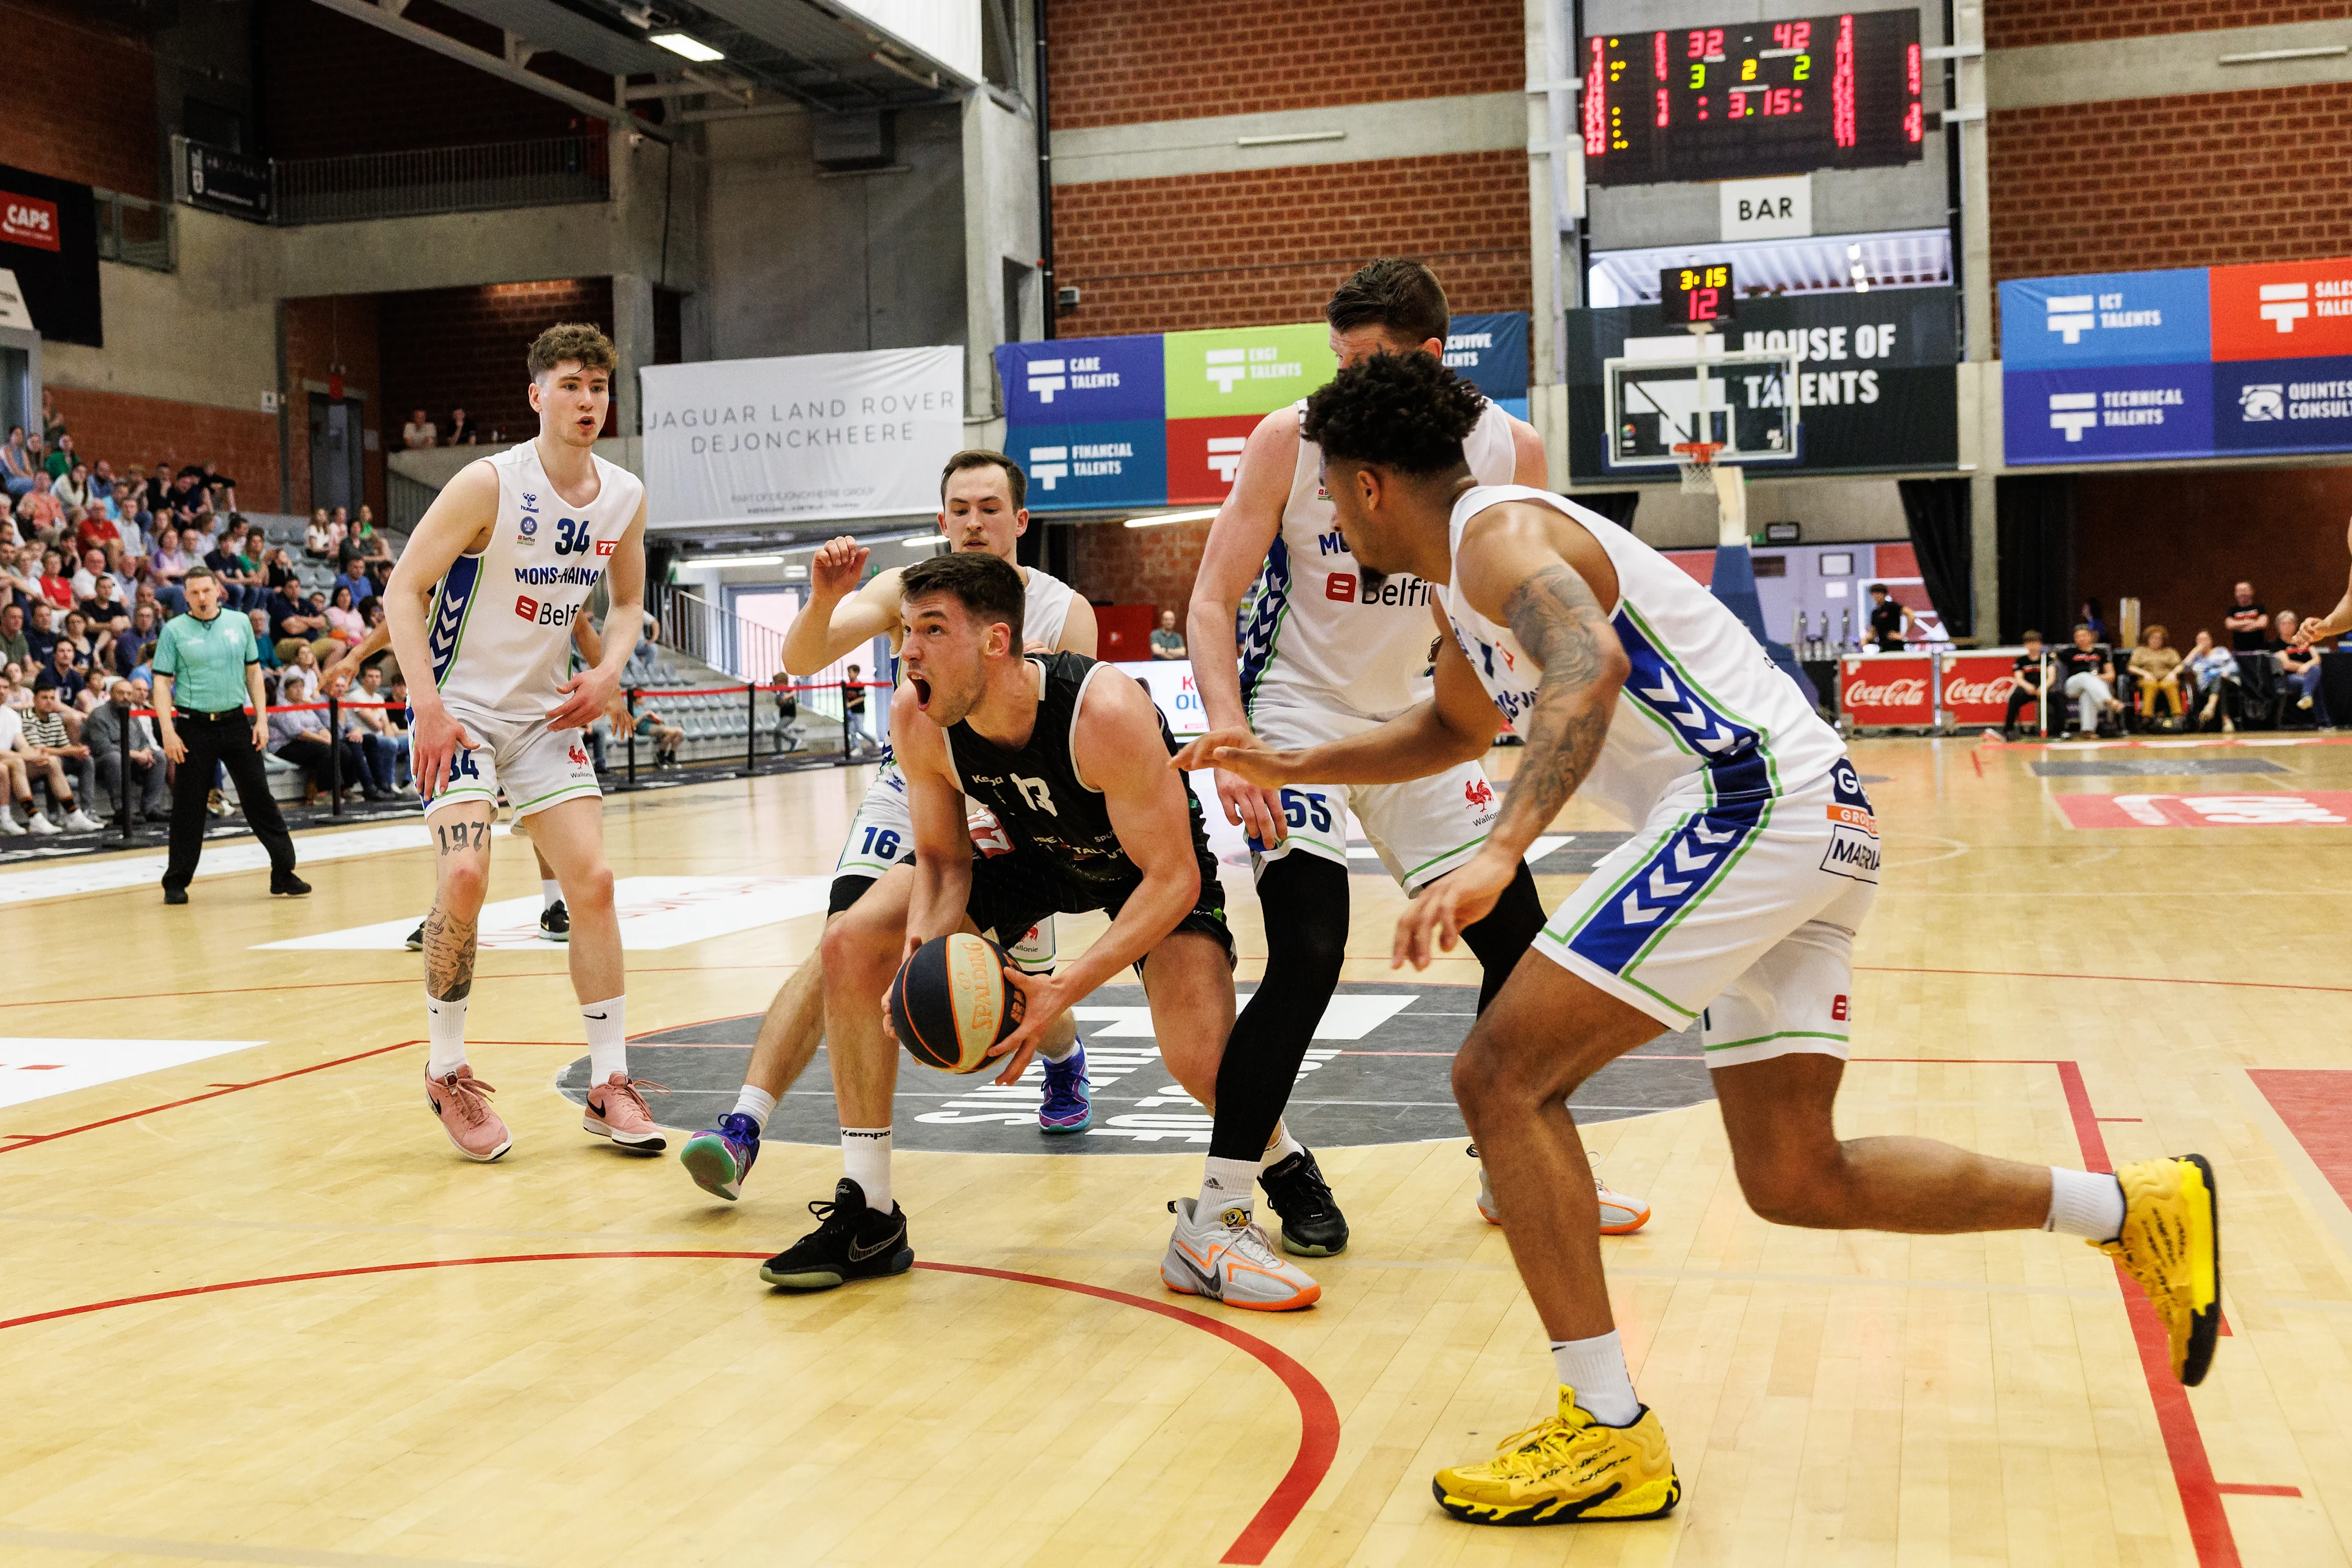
(1890, 623)
(2248, 623)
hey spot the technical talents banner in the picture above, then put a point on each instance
(1107, 423)
(2200, 363)
(805, 438)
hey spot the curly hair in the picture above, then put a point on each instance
(1406, 412)
(571, 341)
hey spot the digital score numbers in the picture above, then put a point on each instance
(1753, 98)
(1696, 296)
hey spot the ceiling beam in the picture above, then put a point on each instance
(383, 18)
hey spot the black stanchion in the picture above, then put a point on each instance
(751, 725)
(633, 736)
(335, 753)
(123, 772)
(844, 721)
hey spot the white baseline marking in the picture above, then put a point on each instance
(657, 912)
(37, 1068)
(65, 879)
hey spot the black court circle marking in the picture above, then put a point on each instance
(1385, 1079)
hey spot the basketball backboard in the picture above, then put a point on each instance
(1665, 391)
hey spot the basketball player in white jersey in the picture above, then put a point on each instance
(1332, 649)
(507, 556)
(1754, 858)
(982, 497)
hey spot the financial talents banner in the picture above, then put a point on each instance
(2199, 363)
(1102, 423)
(805, 438)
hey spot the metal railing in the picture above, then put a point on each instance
(718, 637)
(405, 500)
(136, 232)
(481, 177)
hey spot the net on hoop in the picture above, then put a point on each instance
(1696, 461)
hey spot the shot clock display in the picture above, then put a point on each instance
(1753, 98)
(1696, 296)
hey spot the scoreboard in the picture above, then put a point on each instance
(1696, 297)
(1753, 98)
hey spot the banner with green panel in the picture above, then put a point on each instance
(1245, 370)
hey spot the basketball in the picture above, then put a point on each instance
(950, 1003)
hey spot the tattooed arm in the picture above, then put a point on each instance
(1544, 577)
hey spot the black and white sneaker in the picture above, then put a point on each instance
(555, 922)
(1312, 1225)
(415, 942)
(850, 1242)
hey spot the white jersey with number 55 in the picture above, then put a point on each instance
(500, 626)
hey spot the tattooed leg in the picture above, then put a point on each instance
(461, 844)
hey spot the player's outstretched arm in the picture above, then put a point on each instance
(2335, 622)
(458, 522)
(942, 840)
(841, 617)
(595, 690)
(1239, 542)
(1510, 569)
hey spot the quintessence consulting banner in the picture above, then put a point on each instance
(805, 438)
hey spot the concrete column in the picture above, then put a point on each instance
(1000, 205)
(1980, 377)
(632, 335)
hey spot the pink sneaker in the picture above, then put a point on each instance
(461, 1102)
(617, 1111)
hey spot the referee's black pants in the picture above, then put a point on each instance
(225, 739)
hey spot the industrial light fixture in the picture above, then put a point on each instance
(1158, 518)
(736, 561)
(688, 45)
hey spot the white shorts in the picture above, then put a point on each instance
(536, 766)
(882, 834)
(1422, 829)
(1738, 912)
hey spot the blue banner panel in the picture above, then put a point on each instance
(1073, 468)
(2283, 405)
(2105, 318)
(1490, 352)
(1082, 381)
(2107, 414)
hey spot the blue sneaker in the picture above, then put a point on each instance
(720, 1158)
(1070, 1102)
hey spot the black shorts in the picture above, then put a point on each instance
(1013, 893)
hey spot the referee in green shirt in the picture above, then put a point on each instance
(206, 669)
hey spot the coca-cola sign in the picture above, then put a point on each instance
(1976, 687)
(1887, 690)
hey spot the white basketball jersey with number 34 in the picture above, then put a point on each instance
(501, 629)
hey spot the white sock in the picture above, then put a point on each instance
(1229, 1184)
(756, 1103)
(1595, 1368)
(445, 1023)
(550, 893)
(608, 1037)
(865, 1159)
(2084, 1204)
(1283, 1147)
(1066, 1052)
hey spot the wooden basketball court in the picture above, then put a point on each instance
(257, 1311)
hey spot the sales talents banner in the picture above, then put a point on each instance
(1162, 418)
(2196, 363)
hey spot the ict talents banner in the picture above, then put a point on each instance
(800, 438)
(1160, 418)
(2196, 363)
(1875, 389)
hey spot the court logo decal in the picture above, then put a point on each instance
(2305, 809)
(34, 1069)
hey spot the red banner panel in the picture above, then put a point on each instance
(1888, 689)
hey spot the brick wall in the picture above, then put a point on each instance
(2016, 24)
(2178, 539)
(143, 431)
(1267, 246)
(321, 334)
(1120, 62)
(331, 86)
(81, 99)
(1115, 565)
(446, 348)
(2195, 181)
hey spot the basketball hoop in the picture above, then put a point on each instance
(1696, 461)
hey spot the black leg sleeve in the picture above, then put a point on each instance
(1507, 933)
(1304, 900)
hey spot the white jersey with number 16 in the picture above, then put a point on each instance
(500, 628)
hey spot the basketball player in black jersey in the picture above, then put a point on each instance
(1071, 756)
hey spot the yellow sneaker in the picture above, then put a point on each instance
(1567, 1469)
(2171, 1244)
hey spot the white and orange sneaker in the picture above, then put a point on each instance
(1223, 1255)
(617, 1111)
(460, 1102)
(1620, 1214)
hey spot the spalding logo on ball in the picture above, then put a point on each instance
(950, 1003)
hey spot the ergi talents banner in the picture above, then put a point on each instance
(805, 438)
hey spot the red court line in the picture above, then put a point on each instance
(1319, 1418)
(2315, 1103)
(27, 1139)
(2252, 1489)
(2126, 979)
